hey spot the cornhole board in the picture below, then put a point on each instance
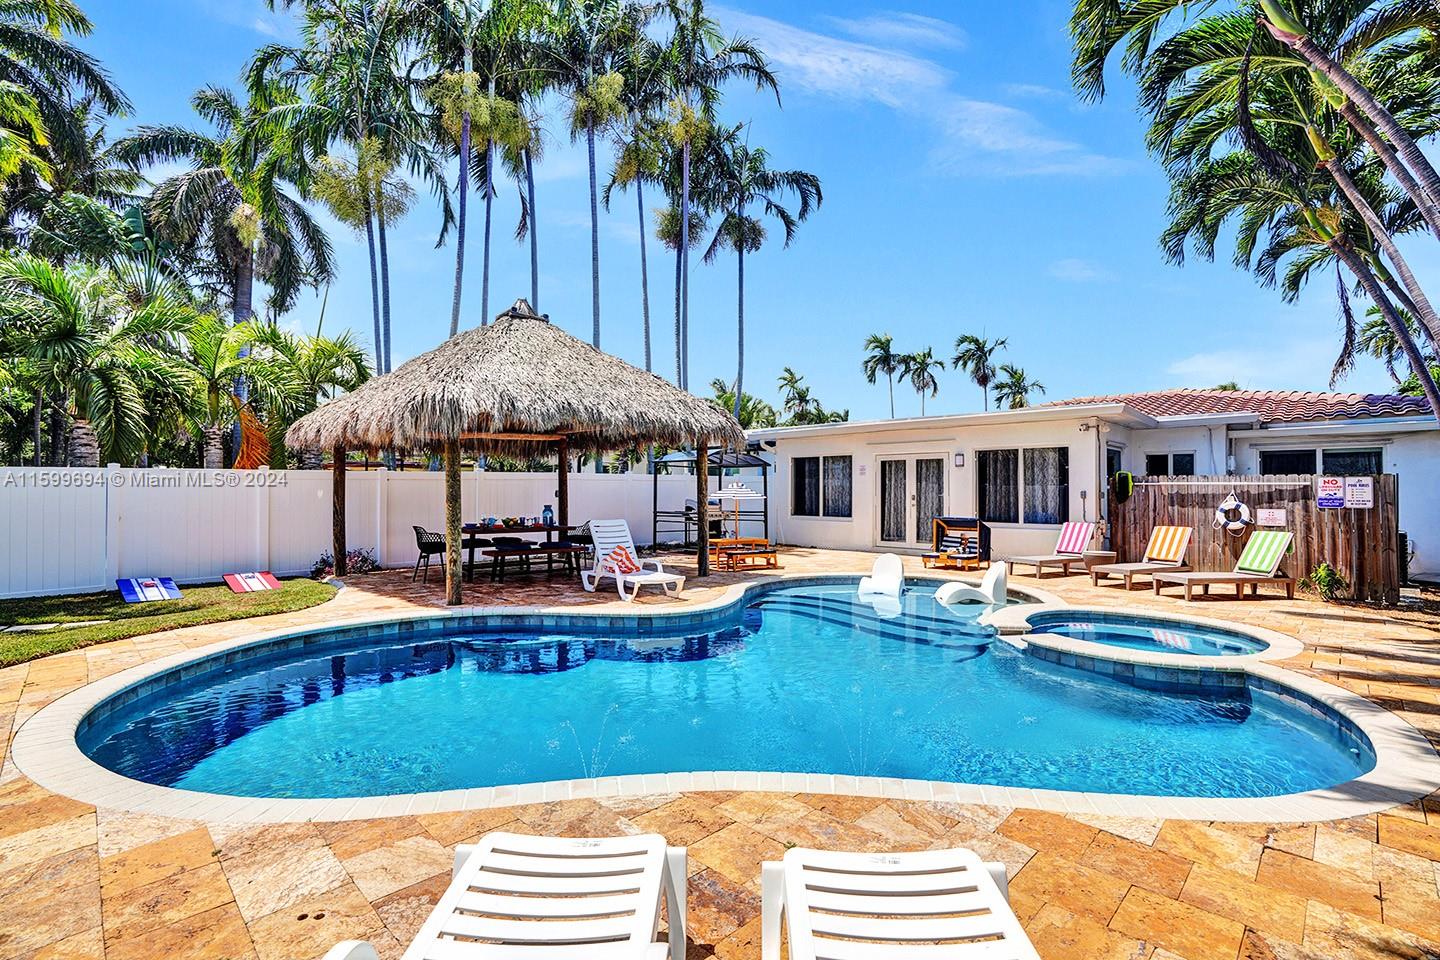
(251, 582)
(147, 589)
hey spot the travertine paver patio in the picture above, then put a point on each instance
(77, 881)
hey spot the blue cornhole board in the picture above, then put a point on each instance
(148, 589)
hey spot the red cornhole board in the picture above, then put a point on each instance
(251, 582)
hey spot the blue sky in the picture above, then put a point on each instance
(966, 190)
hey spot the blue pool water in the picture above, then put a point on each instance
(1147, 633)
(805, 679)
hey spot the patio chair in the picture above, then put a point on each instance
(993, 590)
(887, 577)
(1258, 563)
(617, 558)
(1164, 553)
(430, 545)
(1075, 537)
(895, 906)
(512, 897)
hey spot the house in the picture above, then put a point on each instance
(878, 484)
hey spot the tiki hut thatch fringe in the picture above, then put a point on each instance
(518, 387)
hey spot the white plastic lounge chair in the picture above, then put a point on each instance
(994, 589)
(1075, 537)
(1164, 553)
(933, 905)
(514, 897)
(610, 534)
(1258, 564)
(886, 577)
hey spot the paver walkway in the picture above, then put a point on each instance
(79, 882)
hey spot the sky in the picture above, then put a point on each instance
(967, 190)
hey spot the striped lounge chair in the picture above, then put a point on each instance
(1164, 554)
(1070, 548)
(1258, 563)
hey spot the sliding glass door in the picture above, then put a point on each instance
(912, 495)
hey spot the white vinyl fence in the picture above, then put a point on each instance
(76, 530)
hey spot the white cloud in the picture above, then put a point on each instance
(1076, 270)
(1302, 364)
(246, 13)
(1033, 91)
(905, 29)
(975, 136)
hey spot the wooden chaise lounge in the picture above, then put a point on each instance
(1258, 564)
(1164, 554)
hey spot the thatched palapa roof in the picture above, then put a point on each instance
(511, 387)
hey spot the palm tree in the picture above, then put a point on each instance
(1014, 388)
(93, 349)
(216, 356)
(976, 356)
(754, 412)
(700, 61)
(881, 358)
(745, 182)
(317, 368)
(1376, 339)
(790, 384)
(921, 369)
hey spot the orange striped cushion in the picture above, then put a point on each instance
(623, 560)
(1167, 544)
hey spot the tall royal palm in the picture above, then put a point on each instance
(746, 184)
(701, 60)
(882, 360)
(976, 356)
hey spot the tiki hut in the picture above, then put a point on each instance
(520, 387)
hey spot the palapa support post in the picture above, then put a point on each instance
(337, 506)
(452, 524)
(562, 482)
(702, 507)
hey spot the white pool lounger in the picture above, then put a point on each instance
(516, 897)
(933, 905)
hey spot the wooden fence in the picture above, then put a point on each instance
(1362, 544)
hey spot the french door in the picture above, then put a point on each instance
(912, 495)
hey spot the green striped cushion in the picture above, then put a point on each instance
(1262, 554)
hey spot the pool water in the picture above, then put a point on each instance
(804, 679)
(1146, 633)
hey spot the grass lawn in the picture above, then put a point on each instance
(214, 604)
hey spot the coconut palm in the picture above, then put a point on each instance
(754, 412)
(1013, 388)
(745, 182)
(976, 356)
(881, 358)
(93, 349)
(921, 369)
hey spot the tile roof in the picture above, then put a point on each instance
(1272, 406)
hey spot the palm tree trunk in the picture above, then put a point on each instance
(679, 339)
(244, 311)
(644, 272)
(891, 377)
(534, 227)
(37, 428)
(463, 188)
(84, 447)
(1427, 206)
(594, 241)
(740, 325)
(58, 423)
(384, 287)
(685, 267)
(1425, 313)
(213, 447)
(1354, 90)
(489, 205)
(1393, 320)
(374, 289)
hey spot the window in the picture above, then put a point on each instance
(999, 472)
(1113, 460)
(1170, 464)
(805, 492)
(1352, 463)
(1047, 485)
(837, 486)
(1273, 462)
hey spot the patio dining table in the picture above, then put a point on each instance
(473, 533)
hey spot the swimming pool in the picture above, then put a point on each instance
(800, 679)
(1147, 633)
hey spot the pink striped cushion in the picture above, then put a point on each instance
(1075, 537)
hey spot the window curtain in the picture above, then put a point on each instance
(1047, 485)
(929, 497)
(1352, 463)
(892, 501)
(805, 501)
(999, 485)
(837, 486)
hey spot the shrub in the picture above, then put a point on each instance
(356, 561)
(1327, 583)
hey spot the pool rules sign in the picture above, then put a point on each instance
(1335, 493)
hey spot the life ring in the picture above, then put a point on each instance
(1236, 525)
